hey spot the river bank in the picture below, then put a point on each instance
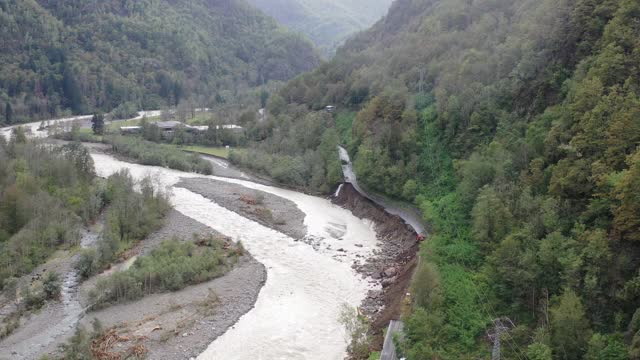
(391, 266)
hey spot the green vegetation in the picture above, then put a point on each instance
(84, 56)
(28, 298)
(97, 124)
(115, 126)
(170, 267)
(150, 153)
(328, 23)
(513, 126)
(222, 152)
(356, 326)
(303, 153)
(80, 345)
(130, 217)
(46, 195)
(76, 134)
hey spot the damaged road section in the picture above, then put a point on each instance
(391, 266)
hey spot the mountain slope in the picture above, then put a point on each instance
(514, 126)
(91, 55)
(327, 23)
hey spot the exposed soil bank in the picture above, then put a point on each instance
(392, 265)
(267, 209)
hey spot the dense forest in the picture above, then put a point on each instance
(514, 126)
(88, 55)
(328, 23)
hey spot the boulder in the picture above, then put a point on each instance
(388, 281)
(390, 272)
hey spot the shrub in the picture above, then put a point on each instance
(170, 267)
(52, 286)
(426, 286)
(125, 110)
(86, 264)
(130, 217)
(33, 298)
(357, 331)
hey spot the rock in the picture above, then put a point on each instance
(390, 272)
(388, 281)
(185, 334)
(376, 276)
(359, 245)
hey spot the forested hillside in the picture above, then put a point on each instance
(94, 55)
(514, 125)
(328, 23)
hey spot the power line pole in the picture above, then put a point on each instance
(499, 328)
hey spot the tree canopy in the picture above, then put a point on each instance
(513, 126)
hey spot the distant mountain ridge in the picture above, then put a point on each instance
(88, 55)
(328, 23)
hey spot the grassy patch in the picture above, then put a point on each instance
(206, 150)
(115, 126)
(200, 118)
(344, 124)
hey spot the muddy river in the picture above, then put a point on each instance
(296, 313)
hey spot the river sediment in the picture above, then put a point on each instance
(267, 209)
(180, 325)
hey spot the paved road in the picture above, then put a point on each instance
(389, 349)
(410, 216)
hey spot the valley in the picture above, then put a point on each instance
(365, 180)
